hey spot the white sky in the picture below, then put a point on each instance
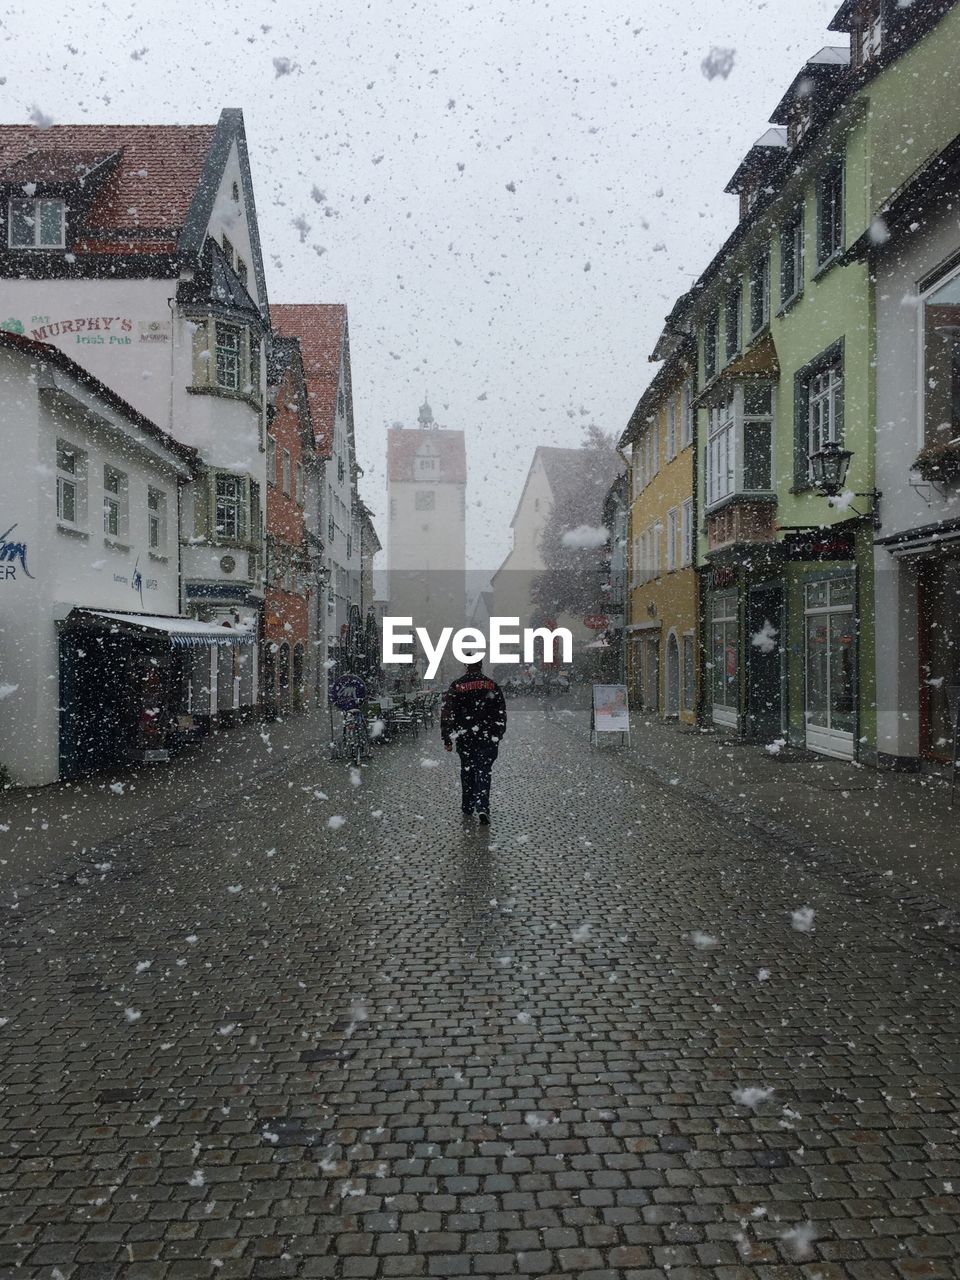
(616, 143)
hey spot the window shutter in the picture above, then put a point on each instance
(801, 465)
(201, 353)
(202, 506)
(255, 515)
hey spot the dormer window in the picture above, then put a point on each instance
(800, 120)
(36, 223)
(866, 33)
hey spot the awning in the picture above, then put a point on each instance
(183, 633)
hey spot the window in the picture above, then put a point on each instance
(242, 271)
(424, 500)
(672, 427)
(941, 361)
(868, 36)
(301, 485)
(69, 480)
(114, 502)
(672, 532)
(230, 510)
(156, 520)
(825, 408)
(720, 452)
(228, 356)
(341, 404)
(331, 528)
(636, 469)
(227, 249)
(759, 292)
(426, 465)
(36, 224)
(711, 332)
(830, 212)
(271, 460)
(686, 533)
(734, 325)
(687, 415)
(349, 545)
(791, 257)
(341, 470)
(655, 539)
(286, 472)
(724, 657)
(253, 380)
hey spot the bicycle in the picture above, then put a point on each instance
(355, 738)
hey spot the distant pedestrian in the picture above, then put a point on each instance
(474, 717)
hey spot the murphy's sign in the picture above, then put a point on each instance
(92, 331)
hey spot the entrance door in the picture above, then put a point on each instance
(651, 673)
(673, 675)
(939, 655)
(830, 708)
(765, 663)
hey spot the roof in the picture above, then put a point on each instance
(825, 63)
(403, 445)
(322, 330)
(680, 360)
(561, 466)
(766, 149)
(47, 354)
(151, 186)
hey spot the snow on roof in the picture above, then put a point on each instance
(831, 54)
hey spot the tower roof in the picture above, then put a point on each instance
(404, 445)
(425, 417)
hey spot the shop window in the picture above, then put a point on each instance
(271, 460)
(724, 658)
(156, 520)
(941, 363)
(830, 212)
(829, 707)
(115, 503)
(36, 224)
(424, 500)
(230, 508)
(791, 257)
(734, 322)
(287, 464)
(759, 292)
(71, 472)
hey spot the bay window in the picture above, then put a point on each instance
(940, 381)
(230, 508)
(226, 358)
(738, 452)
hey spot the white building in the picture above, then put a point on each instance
(426, 546)
(135, 250)
(917, 545)
(96, 668)
(325, 345)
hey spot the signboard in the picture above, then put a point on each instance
(348, 692)
(821, 544)
(596, 621)
(611, 712)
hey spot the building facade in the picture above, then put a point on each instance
(135, 250)
(323, 334)
(289, 648)
(97, 668)
(426, 545)
(661, 641)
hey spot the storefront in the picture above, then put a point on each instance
(830, 665)
(135, 688)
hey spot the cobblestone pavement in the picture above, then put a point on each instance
(592, 1039)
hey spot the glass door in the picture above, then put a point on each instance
(830, 704)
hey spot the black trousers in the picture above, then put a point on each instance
(476, 767)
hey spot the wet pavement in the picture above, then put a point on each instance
(321, 1027)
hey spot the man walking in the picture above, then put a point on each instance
(474, 715)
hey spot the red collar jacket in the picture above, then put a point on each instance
(473, 711)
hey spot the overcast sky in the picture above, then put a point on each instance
(508, 194)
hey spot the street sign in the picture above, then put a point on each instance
(348, 692)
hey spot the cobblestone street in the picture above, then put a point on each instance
(323, 1027)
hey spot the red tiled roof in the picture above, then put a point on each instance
(321, 328)
(152, 185)
(403, 446)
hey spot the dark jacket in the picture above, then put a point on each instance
(473, 711)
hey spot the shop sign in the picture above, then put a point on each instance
(137, 581)
(596, 621)
(12, 555)
(724, 575)
(822, 544)
(92, 331)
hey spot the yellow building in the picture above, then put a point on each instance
(661, 614)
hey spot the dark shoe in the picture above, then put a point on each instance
(484, 819)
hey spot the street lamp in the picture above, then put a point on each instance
(828, 471)
(828, 468)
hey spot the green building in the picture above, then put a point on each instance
(783, 319)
